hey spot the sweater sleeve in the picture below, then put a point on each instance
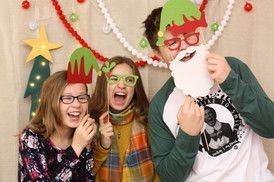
(249, 98)
(100, 155)
(34, 162)
(173, 157)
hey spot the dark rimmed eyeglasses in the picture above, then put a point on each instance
(128, 80)
(174, 44)
(68, 99)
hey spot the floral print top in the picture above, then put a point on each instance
(40, 160)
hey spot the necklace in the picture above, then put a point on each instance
(119, 127)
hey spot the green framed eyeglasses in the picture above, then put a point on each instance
(128, 80)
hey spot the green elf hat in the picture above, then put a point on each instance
(179, 16)
(80, 66)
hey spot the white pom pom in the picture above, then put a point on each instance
(218, 33)
(112, 25)
(33, 25)
(106, 29)
(149, 61)
(101, 5)
(119, 35)
(130, 48)
(104, 10)
(115, 30)
(122, 40)
(134, 52)
(144, 58)
(155, 63)
(126, 44)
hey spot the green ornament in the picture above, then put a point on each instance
(143, 43)
(73, 17)
(214, 27)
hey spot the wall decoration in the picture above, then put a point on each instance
(40, 70)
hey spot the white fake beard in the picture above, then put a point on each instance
(192, 76)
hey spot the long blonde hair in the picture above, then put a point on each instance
(48, 116)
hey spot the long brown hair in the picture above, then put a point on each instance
(99, 100)
(48, 116)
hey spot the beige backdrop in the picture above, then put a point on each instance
(248, 36)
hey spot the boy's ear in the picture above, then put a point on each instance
(157, 53)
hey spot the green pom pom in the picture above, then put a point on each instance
(143, 43)
(214, 27)
(73, 17)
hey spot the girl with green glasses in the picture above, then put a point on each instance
(120, 106)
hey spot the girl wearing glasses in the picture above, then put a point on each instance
(56, 144)
(122, 152)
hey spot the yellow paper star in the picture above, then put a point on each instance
(41, 46)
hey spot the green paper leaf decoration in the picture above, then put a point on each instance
(112, 65)
(106, 68)
(107, 64)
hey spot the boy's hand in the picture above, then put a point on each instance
(218, 67)
(191, 117)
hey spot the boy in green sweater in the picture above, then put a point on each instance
(179, 137)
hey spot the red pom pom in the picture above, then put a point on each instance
(80, 1)
(25, 4)
(248, 7)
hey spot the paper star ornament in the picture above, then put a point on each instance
(41, 46)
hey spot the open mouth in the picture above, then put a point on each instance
(75, 115)
(120, 98)
(188, 56)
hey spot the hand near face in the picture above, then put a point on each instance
(83, 134)
(106, 131)
(191, 117)
(218, 67)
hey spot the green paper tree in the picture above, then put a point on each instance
(39, 73)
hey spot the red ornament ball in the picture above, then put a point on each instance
(248, 7)
(80, 1)
(25, 4)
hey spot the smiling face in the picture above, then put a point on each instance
(210, 116)
(120, 95)
(73, 113)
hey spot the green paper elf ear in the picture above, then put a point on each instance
(80, 66)
(179, 16)
(107, 68)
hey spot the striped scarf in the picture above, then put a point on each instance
(137, 165)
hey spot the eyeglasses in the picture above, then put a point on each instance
(128, 80)
(189, 39)
(68, 99)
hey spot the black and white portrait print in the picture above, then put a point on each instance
(222, 123)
